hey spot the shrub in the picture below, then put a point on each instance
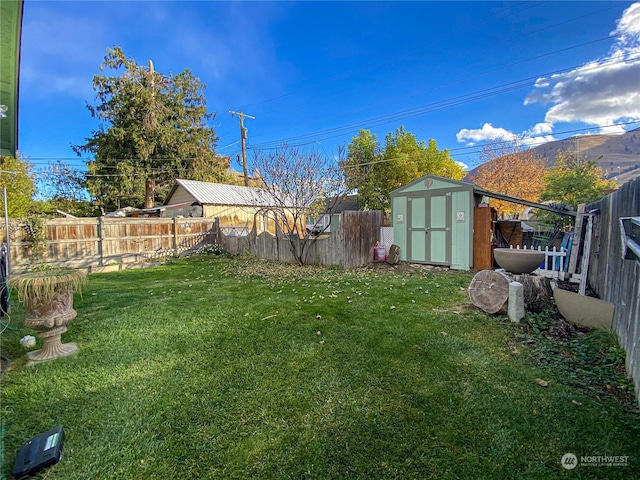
(213, 249)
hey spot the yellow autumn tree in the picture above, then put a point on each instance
(511, 170)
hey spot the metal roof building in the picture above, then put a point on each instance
(207, 193)
(236, 207)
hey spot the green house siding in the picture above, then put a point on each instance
(10, 31)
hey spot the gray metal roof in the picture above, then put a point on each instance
(221, 194)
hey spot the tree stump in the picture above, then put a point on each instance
(489, 290)
(538, 294)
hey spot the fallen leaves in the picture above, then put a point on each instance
(542, 383)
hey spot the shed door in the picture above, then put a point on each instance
(430, 229)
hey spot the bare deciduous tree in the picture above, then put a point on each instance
(300, 183)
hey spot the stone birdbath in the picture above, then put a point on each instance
(48, 299)
(515, 260)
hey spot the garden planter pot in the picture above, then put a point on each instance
(48, 300)
(518, 261)
(585, 311)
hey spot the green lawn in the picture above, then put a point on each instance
(220, 368)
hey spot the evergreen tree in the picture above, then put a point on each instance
(153, 129)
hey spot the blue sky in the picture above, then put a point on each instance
(315, 73)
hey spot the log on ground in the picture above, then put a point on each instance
(489, 290)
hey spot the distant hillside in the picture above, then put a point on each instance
(618, 155)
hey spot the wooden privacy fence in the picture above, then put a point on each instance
(614, 278)
(98, 242)
(350, 246)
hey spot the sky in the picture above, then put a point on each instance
(314, 73)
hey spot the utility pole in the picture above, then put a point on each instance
(243, 138)
(150, 124)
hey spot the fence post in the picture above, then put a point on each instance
(101, 241)
(585, 256)
(175, 236)
(577, 238)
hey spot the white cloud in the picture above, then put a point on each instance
(487, 132)
(464, 166)
(541, 129)
(536, 135)
(628, 29)
(603, 91)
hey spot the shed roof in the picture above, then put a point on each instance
(561, 210)
(449, 182)
(207, 193)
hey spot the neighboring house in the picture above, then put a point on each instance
(329, 220)
(10, 46)
(236, 207)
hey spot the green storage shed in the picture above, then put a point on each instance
(433, 221)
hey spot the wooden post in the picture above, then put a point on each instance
(243, 139)
(175, 236)
(101, 241)
(577, 236)
(585, 257)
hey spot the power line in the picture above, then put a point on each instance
(467, 150)
(449, 60)
(391, 57)
(300, 140)
(479, 149)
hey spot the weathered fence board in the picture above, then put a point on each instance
(93, 242)
(361, 230)
(350, 246)
(613, 278)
